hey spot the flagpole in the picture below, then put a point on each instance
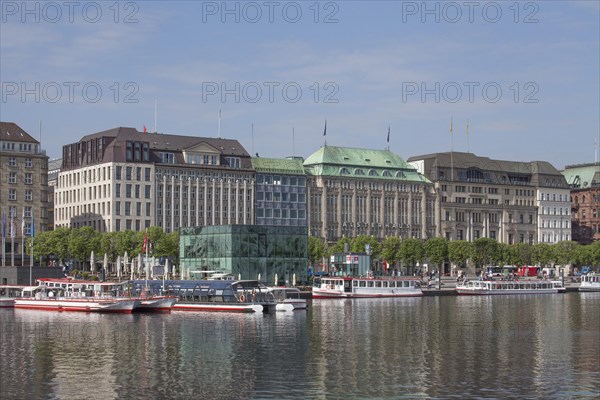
(468, 142)
(451, 152)
(219, 123)
(293, 142)
(3, 222)
(12, 237)
(23, 238)
(325, 134)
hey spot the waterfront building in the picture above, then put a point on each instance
(355, 192)
(481, 197)
(247, 252)
(124, 179)
(24, 186)
(280, 191)
(584, 182)
(53, 170)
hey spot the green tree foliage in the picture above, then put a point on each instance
(542, 254)
(459, 251)
(130, 242)
(59, 243)
(82, 241)
(485, 252)
(522, 253)
(167, 245)
(109, 245)
(564, 252)
(317, 249)
(390, 250)
(358, 245)
(411, 251)
(436, 250)
(338, 247)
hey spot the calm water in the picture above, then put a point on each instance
(535, 346)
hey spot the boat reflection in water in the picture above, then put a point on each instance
(211, 295)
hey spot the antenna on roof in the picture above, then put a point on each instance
(40, 133)
(219, 123)
(325, 133)
(252, 138)
(293, 142)
(155, 114)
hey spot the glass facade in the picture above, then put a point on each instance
(280, 199)
(247, 251)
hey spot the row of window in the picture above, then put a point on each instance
(21, 146)
(12, 178)
(281, 197)
(12, 162)
(12, 195)
(280, 213)
(128, 191)
(127, 210)
(279, 180)
(552, 197)
(129, 173)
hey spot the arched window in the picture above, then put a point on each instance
(400, 174)
(344, 171)
(358, 171)
(372, 172)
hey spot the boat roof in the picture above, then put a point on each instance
(79, 281)
(193, 284)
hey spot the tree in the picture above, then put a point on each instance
(130, 242)
(459, 252)
(541, 254)
(390, 250)
(484, 252)
(357, 245)
(59, 242)
(564, 252)
(317, 249)
(411, 251)
(108, 245)
(82, 242)
(339, 246)
(582, 255)
(168, 246)
(436, 250)
(521, 253)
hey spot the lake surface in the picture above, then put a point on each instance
(522, 346)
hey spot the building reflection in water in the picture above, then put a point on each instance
(504, 346)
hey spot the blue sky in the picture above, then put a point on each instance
(361, 65)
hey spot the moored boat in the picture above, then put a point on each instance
(8, 293)
(40, 298)
(359, 287)
(590, 283)
(210, 295)
(496, 287)
(288, 299)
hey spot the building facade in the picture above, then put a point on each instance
(24, 188)
(480, 197)
(355, 192)
(584, 182)
(247, 252)
(280, 191)
(124, 179)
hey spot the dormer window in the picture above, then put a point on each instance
(372, 172)
(358, 171)
(344, 171)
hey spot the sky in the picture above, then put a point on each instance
(524, 76)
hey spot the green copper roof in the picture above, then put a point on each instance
(582, 176)
(361, 163)
(278, 165)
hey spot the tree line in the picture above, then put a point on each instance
(481, 252)
(65, 244)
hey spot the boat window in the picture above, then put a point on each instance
(378, 284)
(341, 283)
(385, 284)
(355, 283)
(370, 284)
(406, 283)
(362, 283)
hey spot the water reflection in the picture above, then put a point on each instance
(505, 346)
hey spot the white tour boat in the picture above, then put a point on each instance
(590, 283)
(288, 299)
(509, 287)
(8, 293)
(358, 287)
(67, 294)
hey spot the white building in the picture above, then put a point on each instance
(124, 179)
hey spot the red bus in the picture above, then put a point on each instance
(527, 271)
